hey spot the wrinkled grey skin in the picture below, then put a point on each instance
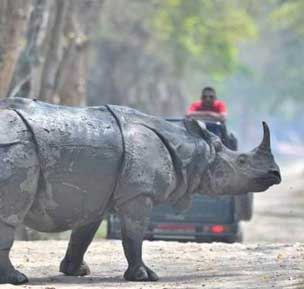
(62, 167)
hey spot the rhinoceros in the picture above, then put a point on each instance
(61, 168)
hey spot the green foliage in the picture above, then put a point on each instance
(289, 15)
(284, 74)
(203, 33)
(275, 83)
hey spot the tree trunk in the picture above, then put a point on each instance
(53, 67)
(13, 19)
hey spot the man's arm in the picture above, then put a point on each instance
(211, 115)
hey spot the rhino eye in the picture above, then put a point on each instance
(242, 159)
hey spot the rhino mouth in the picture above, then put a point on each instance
(275, 176)
(272, 178)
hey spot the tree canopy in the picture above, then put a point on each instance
(203, 34)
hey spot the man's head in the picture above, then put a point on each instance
(208, 96)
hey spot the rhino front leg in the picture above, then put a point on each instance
(134, 219)
(8, 274)
(81, 237)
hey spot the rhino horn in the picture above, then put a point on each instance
(265, 144)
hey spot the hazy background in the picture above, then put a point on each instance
(157, 55)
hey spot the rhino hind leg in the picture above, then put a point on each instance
(73, 264)
(134, 217)
(8, 274)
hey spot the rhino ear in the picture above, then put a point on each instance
(197, 128)
(192, 126)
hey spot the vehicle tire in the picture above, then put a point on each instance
(239, 237)
(244, 207)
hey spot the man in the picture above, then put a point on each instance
(208, 107)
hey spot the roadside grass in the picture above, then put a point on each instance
(102, 231)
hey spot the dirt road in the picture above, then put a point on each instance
(180, 265)
(279, 212)
(277, 262)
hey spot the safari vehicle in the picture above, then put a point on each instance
(209, 219)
